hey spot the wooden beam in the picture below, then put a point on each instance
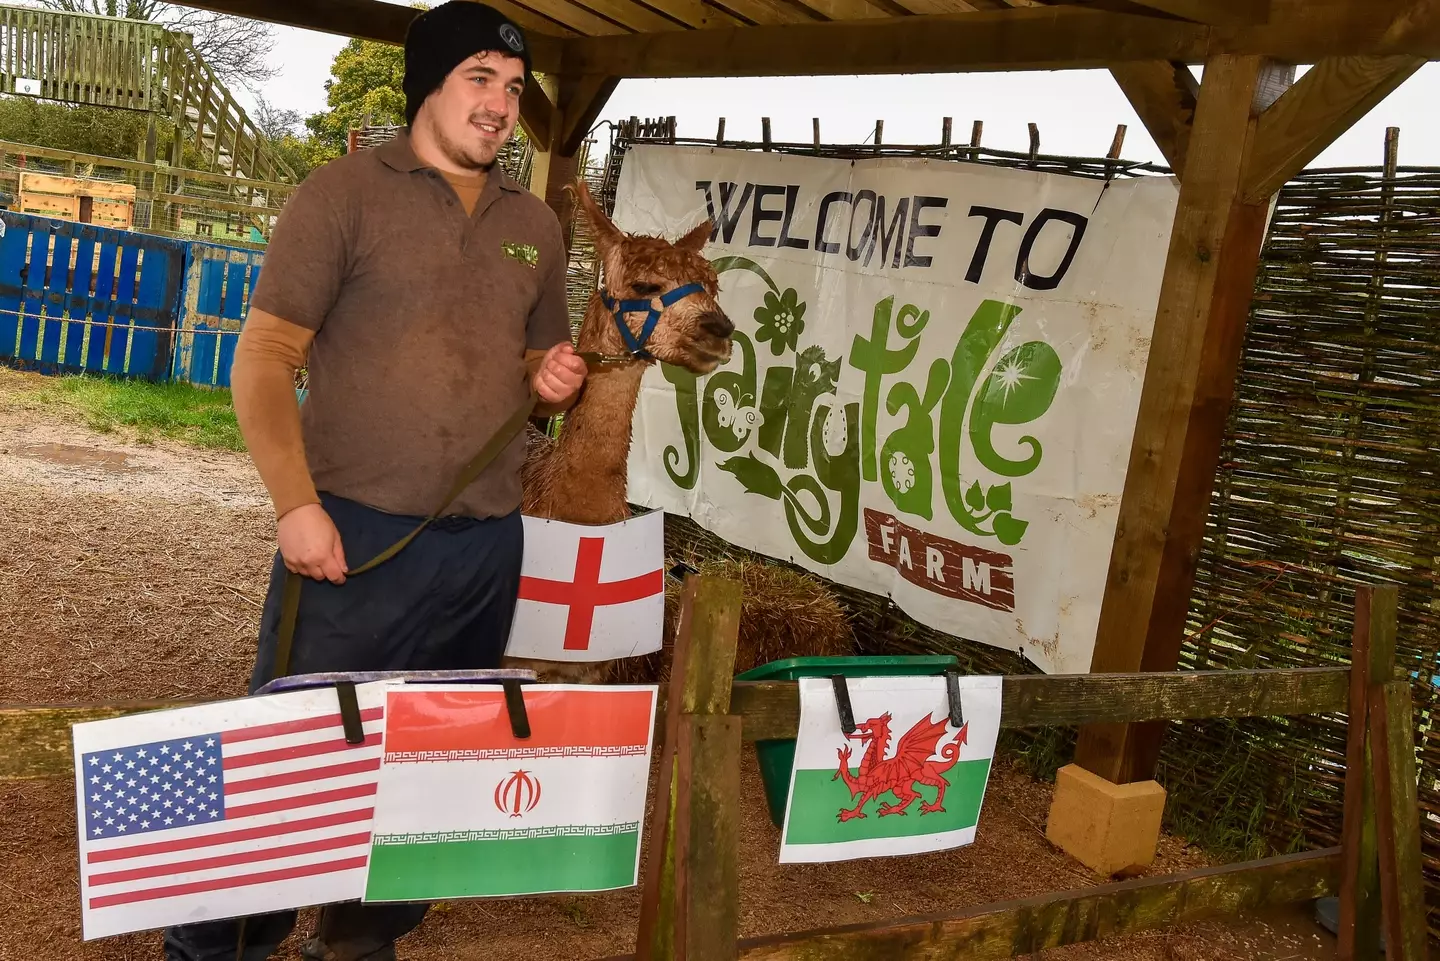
(35, 739)
(771, 709)
(1212, 11)
(582, 99)
(1319, 108)
(537, 115)
(371, 20)
(1163, 95)
(1189, 379)
(1029, 38)
(1026, 927)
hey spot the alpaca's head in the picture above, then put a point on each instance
(693, 331)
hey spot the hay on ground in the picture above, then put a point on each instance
(783, 613)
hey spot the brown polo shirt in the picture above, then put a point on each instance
(422, 315)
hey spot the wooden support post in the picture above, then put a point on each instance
(1199, 328)
(538, 119)
(579, 102)
(1163, 96)
(765, 133)
(815, 129)
(1381, 885)
(1034, 142)
(720, 132)
(689, 907)
(945, 128)
(879, 134)
(1117, 144)
(1372, 650)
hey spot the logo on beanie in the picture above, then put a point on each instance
(511, 36)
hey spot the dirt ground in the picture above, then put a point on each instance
(136, 571)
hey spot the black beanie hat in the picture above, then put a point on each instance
(439, 40)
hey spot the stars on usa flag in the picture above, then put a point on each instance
(152, 787)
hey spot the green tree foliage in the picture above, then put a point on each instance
(365, 85)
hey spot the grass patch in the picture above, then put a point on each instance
(183, 412)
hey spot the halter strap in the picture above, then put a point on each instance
(619, 308)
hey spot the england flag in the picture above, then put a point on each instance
(590, 593)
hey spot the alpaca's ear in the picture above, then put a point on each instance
(607, 235)
(697, 238)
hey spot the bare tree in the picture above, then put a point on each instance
(274, 123)
(236, 48)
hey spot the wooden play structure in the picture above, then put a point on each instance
(140, 66)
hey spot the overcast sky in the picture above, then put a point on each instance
(1076, 111)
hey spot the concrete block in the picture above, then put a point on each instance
(1109, 828)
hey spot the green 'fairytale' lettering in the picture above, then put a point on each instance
(786, 411)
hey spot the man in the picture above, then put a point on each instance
(428, 290)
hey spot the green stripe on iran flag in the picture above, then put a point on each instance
(906, 781)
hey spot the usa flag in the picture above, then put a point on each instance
(223, 810)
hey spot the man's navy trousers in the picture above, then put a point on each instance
(445, 602)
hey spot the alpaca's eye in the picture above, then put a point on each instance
(646, 290)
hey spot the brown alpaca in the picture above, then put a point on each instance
(581, 477)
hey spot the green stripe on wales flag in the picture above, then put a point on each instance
(817, 800)
(406, 868)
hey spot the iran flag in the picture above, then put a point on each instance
(464, 809)
(590, 592)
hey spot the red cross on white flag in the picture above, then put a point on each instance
(590, 593)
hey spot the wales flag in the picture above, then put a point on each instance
(905, 781)
(465, 809)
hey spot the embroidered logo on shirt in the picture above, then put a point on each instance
(525, 253)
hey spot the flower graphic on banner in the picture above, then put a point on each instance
(781, 319)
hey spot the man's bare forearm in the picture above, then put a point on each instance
(262, 382)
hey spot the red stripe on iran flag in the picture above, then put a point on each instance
(456, 722)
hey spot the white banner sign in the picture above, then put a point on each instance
(933, 391)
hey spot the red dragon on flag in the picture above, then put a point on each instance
(912, 764)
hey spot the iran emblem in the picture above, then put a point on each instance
(590, 592)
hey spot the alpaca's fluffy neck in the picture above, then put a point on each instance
(590, 460)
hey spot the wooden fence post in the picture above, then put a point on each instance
(688, 910)
(1381, 883)
(1372, 648)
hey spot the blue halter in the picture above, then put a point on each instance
(619, 308)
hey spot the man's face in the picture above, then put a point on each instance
(475, 110)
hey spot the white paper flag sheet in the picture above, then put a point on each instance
(590, 593)
(907, 780)
(224, 810)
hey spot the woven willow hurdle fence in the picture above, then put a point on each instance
(1329, 478)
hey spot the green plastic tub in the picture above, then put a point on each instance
(777, 757)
